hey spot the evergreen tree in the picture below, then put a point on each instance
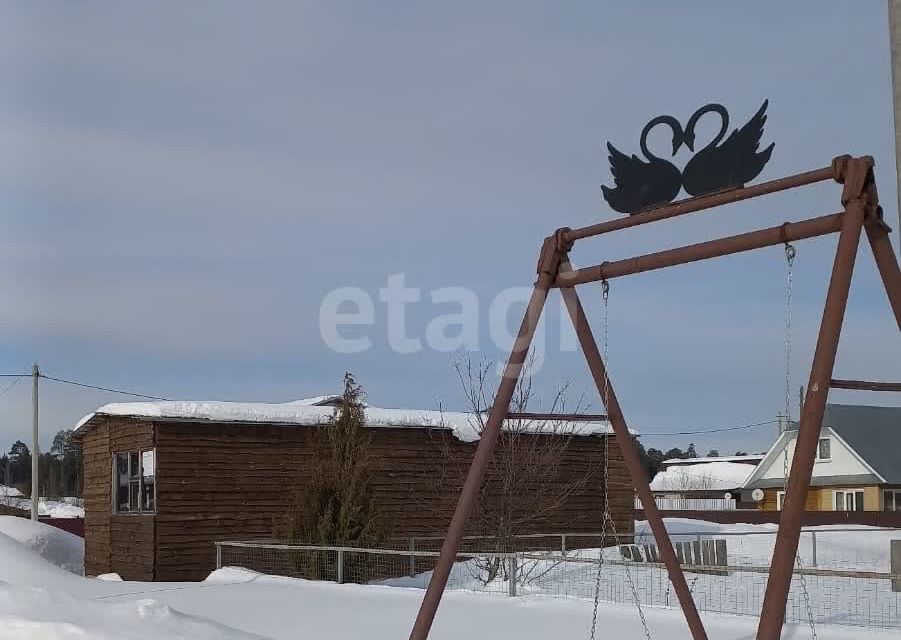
(651, 459)
(336, 507)
(674, 453)
(20, 466)
(67, 460)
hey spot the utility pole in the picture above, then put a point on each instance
(35, 447)
(894, 25)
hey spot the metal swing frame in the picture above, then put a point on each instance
(861, 211)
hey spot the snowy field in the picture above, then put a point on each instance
(40, 599)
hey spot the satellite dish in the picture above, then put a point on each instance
(757, 495)
(728, 496)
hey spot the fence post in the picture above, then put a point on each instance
(813, 541)
(340, 566)
(895, 551)
(514, 572)
(218, 555)
(563, 543)
(412, 557)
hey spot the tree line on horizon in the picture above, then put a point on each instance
(59, 470)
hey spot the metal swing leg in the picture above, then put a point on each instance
(772, 615)
(633, 463)
(551, 254)
(887, 264)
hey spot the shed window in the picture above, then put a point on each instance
(135, 482)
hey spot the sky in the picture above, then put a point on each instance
(183, 184)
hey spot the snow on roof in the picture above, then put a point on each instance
(10, 492)
(707, 476)
(751, 457)
(464, 425)
(316, 401)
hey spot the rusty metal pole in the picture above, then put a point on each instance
(551, 253)
(772, 615)
(772, 236)
(630, 455)
(865, 385)
(701, 203)
(887, 264)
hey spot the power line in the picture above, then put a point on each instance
(702, 431)
(92, 386)
(10, 385)
(19, 376)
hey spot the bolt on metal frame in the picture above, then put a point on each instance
(861, 211)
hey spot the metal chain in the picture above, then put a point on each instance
(790, 254)
(609, 522)
(605, 289)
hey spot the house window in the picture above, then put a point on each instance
(135, 482)
(892, 500)
(780, 500)
(848, 500)
(824, 449)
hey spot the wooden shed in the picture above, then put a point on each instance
(164, 480)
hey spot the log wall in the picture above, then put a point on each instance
(114, 543)
(227, 481)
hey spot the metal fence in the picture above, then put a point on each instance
(831, 583)
(667, 503)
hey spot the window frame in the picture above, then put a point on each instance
(845, 494)
(819, 442)
(896, 500)
(114, 485)
(780, 500)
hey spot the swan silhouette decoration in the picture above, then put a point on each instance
(734, 163)
(644, 184)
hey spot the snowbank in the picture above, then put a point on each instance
(706, 476)
(28, 612)
(54, 545)
(465, 426)
(41, 601)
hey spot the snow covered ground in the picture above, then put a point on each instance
(40, 600)
(239, 605)
(834, 599)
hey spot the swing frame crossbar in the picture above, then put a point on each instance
(861, 211)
